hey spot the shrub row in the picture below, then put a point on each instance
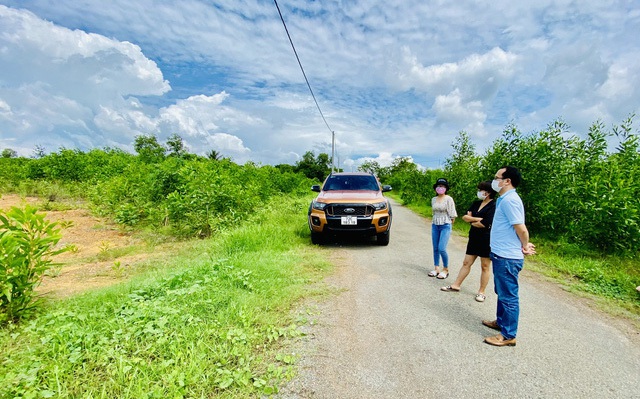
(185, 196)
(575, 189)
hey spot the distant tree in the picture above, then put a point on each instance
(176, 146)
(314, 167)
(148, 148)
(214, 155)
(38, 152)
(403, 165)
(462, 169)
(9, 153)
(285, 168)
(372, 167)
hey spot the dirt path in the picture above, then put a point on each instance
(104, 254)
(391, 333)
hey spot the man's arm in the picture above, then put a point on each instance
(523, 234)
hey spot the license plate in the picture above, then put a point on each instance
(349, 220)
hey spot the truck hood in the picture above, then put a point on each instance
(347, 196)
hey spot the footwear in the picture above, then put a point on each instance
(449, 288)
(498, 340)
(491, 324)
(443, 275)
(480, 297)
(433, 273)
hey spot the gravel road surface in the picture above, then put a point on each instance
(391, 333)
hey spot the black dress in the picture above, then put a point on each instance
(479, 239)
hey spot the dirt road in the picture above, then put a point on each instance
(391, 333)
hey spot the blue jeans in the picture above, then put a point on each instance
(440, 238)
(505, 280)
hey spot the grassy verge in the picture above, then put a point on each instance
(208, 323)
(609, 280)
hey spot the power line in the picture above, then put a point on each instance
(301, 68)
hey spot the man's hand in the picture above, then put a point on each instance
(529, 249)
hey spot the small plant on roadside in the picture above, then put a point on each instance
(103, 250)
(118, 269)
(27, 245)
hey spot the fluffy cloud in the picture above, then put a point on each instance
(67, 83)
(390, 78)
(80, 87)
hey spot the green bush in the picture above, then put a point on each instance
(27, 244)
(573, 188)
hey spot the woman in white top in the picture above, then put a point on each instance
(444, 214)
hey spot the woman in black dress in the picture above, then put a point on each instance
(480, 216)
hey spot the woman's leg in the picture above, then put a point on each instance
(442, 245)
(464, 271)
(435, 240)
(485, 263)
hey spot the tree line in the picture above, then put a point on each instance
(161, 186)
(574, 189)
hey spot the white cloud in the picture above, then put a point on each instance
(69, 84)
(399, 78)
(451, 107)
(477, 77)
(230, 145)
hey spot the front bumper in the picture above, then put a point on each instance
(367, 224)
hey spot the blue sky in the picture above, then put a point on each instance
(391, 79)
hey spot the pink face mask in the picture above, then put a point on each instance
(441, 190)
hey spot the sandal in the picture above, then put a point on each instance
(480, 297)
(449, 288)
(442, 275)
(433, 273)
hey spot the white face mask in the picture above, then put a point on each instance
(482, 195)
(495, 185)
(441, 190)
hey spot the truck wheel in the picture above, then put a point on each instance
(317, 238)
(383, 238)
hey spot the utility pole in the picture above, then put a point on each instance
(333, 149)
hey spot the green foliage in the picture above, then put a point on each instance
(65, 166)
(176, 146)
(412, 184)
(182, 195)
(27, 244)
(604, 276)
(148, 148)
(372, 167)
(314, 167)
(9, 153)
(195, 197)
(12, 172)
(572, 188)
(463, 172)
(209, 323)
(214, 155)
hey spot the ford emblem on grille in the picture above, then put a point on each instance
(349, 210)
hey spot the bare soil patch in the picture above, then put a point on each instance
(104, 253)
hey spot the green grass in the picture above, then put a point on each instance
(609, 280)
(208, 323)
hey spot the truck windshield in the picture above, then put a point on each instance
(351, 183)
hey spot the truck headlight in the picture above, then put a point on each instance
(318, 205)
(379, 206)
